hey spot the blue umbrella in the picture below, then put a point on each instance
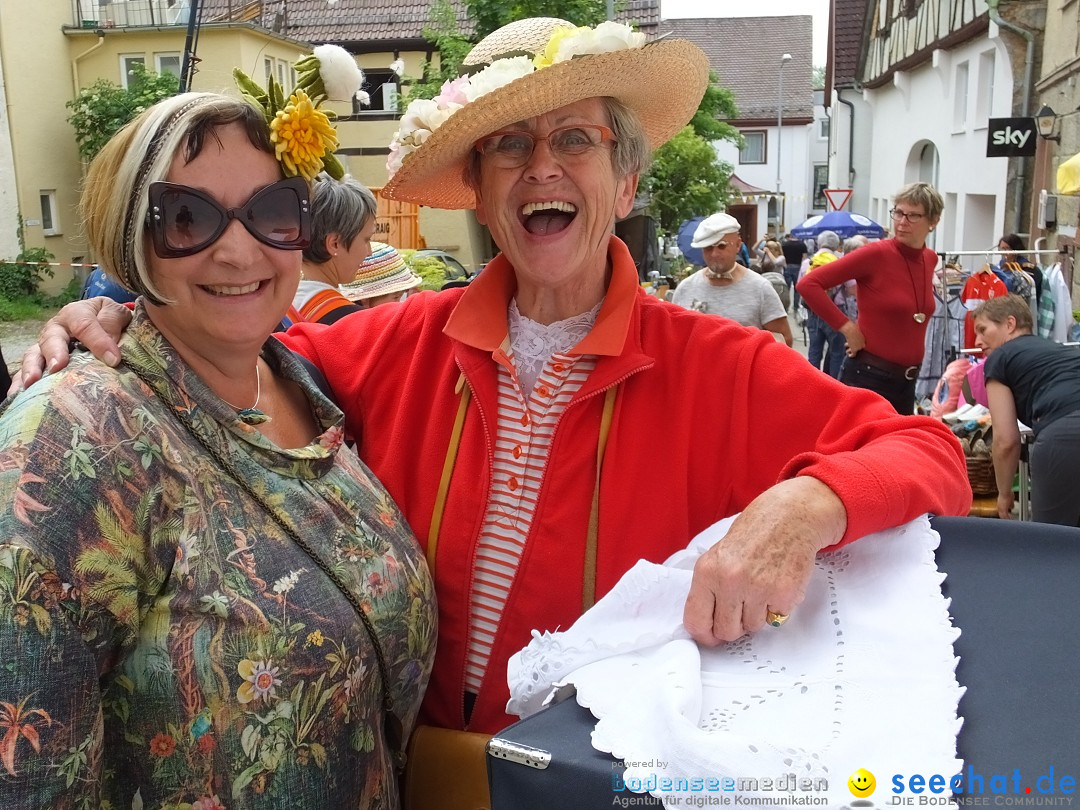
(842, 223)
(685, 237)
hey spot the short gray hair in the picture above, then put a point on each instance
(854, 243)
(630, 155)
(828, 240)
(341, 207)
(925, 195)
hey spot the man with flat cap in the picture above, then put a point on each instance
(725, 287)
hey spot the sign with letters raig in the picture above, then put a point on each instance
(1011, 137)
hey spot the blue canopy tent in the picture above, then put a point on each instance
(842, 223)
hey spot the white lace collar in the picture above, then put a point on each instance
(532, 344)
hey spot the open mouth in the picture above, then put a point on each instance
(549, 217)
(225, 291)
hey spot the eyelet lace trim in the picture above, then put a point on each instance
(532, 344)
(863, 672)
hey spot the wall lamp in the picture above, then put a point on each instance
(1045, 119)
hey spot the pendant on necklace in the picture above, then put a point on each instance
(920, 317)
(252, 416)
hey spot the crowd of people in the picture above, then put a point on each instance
(232, 580)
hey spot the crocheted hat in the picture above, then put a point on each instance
(381, 273)
(526, 69)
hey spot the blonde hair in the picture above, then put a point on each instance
(1002, 307)
(925, 195)
(114, 200)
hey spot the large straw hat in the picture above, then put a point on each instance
(381, 273)
(528, 68)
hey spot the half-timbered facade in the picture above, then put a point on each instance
(915, 105)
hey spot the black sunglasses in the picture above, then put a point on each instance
(183, 220)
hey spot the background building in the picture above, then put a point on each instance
(775, 169)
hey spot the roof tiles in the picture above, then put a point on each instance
(745, 54)
(374, 21)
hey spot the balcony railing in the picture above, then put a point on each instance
(155, 13)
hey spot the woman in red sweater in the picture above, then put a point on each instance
(896, 300)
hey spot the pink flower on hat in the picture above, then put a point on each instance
(453, 92)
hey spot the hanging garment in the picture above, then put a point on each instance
(1063, 308)
(944, 338)
(982, 286)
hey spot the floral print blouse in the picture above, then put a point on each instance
(163, 642)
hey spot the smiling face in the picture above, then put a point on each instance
(231, 295)
(553, 216)
(862, 783)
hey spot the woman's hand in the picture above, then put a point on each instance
(853, 337)
(97, 323)
(764, 562)
(1005, 501)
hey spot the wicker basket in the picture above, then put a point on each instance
(980, 470)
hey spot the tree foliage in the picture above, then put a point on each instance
(102, 108)
(686, 180)
(492, 14)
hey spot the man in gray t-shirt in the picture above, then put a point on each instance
(724, 287)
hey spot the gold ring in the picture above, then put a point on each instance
(774, 618)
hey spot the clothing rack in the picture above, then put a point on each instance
(945, 256)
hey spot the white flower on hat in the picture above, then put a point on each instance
(424, 116)
(498, 74)
(607, 37)
(340, 76)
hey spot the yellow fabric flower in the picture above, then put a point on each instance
(546, 57)
(302, 135)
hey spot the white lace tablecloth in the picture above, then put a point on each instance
(861, 676)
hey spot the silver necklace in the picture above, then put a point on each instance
(252, 415)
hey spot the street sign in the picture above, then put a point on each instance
(834, 194)
(1011, 137)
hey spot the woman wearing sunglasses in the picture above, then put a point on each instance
(207, 599)
(885, 346)
(342, 224)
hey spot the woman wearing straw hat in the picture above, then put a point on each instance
(538, 384)
(383, 278)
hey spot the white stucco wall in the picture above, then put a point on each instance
(849, 157)
(796, 172)
(931, 124)
(9, 196)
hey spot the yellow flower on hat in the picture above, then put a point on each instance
(302, 136)
(546, 57)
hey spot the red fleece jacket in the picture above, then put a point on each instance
(708, 415)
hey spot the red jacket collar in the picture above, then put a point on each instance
(479, 319)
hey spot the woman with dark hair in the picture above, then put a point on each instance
(205, 604)
(1012, 262)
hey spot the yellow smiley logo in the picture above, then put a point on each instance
(861, 783)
